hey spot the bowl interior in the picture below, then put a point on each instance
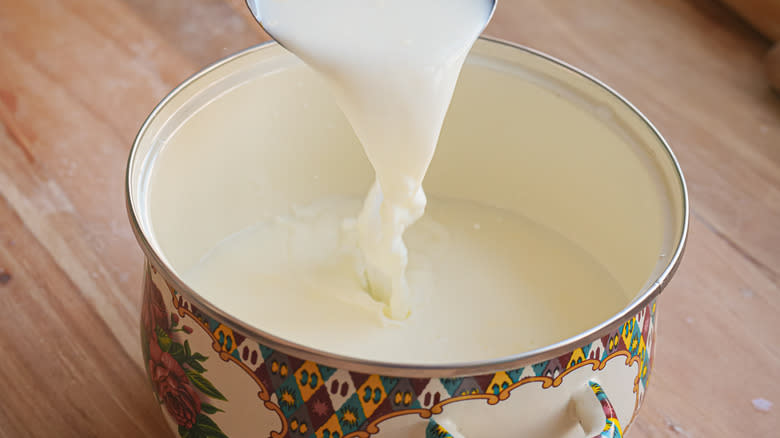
(523, 133)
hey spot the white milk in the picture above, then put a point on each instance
(488, 283)
(475, 282)
(392, 65)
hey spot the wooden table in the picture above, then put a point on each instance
(78, 77)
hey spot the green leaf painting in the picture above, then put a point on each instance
(209, 409)
(176, 372)
(204, 385)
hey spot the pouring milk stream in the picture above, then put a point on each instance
(393, 66)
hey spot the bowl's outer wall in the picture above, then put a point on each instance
(207, 374)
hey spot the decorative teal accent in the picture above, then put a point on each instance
(540, 367)
(351, 415)
(451, 384)
(326, 372)
(388, 383)
(265, 351)
(289, 396)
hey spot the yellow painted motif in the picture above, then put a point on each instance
(628, 334)
(287, 398)
(225, 334)
(613, 342)
(349, 417)
(331, 428)
(371, 394)
(576, 357)
(309, 379)
(403, 398)
(279, 368)
(500, 382)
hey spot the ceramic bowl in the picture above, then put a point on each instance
(539, 137)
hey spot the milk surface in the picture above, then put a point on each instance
(377, 279)
(392, 65)
(488, 283)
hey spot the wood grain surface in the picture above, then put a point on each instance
(764, 15)
(77, 78)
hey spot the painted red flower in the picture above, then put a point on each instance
(153, 313)
(173, 387)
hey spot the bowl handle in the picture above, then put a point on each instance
(592, 408)
(595, 412)
(437, 430)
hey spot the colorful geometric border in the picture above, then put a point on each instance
(317, 401)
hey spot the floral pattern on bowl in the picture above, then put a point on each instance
(176, 372)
